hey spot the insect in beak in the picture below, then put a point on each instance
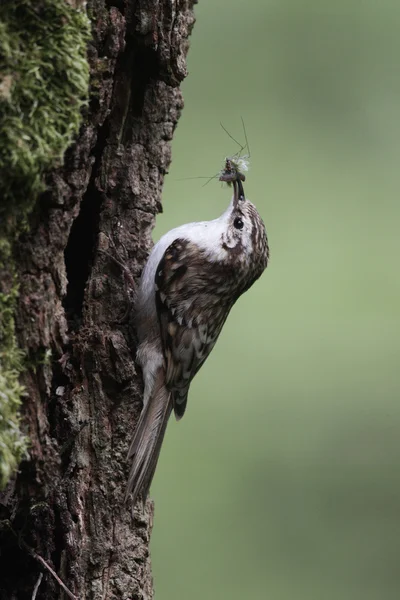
(232, 175)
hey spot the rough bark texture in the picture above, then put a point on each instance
(84, 398)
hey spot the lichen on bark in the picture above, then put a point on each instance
(44, 79)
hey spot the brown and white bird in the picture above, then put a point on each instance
(193, 277)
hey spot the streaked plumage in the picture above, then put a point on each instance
(193, 277)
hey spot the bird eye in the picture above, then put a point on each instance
(238, 223)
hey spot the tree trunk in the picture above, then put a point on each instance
(73, 318)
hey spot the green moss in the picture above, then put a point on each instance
(44, 81)
(12, 443)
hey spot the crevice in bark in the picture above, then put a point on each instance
(79, 254)
(120, 4)
(80, 249)
(141, 62)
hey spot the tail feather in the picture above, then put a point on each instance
(147, 440)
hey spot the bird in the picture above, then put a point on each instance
(192, 278)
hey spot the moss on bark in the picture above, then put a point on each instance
(44, 80)
(12, 443)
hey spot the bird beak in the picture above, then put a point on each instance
(238, 191)
(231, 175)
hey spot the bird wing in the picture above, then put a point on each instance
(192, 305)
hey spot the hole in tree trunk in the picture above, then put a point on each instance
(79, 255)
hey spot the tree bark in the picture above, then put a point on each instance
(83, 397)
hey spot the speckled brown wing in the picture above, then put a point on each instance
(192, 302)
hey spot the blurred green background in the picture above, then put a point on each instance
(282, 481)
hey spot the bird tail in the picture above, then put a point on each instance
(147, 440)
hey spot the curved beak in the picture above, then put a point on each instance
(238, 191)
